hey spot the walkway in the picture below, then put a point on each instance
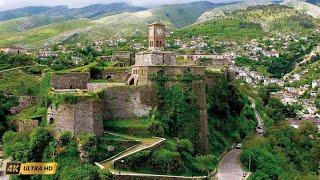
(145, 143)
(22, 67)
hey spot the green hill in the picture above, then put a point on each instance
(42, 34)
(90, 12)
(229, 8)
(174, 16)
(255, 22)
(181, 15)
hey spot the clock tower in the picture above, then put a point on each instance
(156, 35)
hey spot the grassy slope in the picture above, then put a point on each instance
(174, 16)
(223, 29)
(41, 34)
(252, 23)
(304, 7)
(231, 8)
(19, 83)
(181, 15)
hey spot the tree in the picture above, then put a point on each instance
(39, 140)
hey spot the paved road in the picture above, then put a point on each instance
(258, 117)
(229, 168)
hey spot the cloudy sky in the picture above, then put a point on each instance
(11, 4)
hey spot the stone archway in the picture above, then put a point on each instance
(187, 71)
(161, 72)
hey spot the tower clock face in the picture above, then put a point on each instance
(159, 31)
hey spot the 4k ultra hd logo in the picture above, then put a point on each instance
(14, 168)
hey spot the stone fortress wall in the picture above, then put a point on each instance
(26, 126)
(125, 102)
(155, 58)
(24, 102)
(116, 74)
(73, 80)
(82, 117)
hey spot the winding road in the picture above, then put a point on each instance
(229, 167)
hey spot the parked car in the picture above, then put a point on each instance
(259, 130)
(239, 146)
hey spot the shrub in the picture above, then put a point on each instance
(156, 129)
(65, 138)
(185, 145)
(205, 163)
(39, 139)
(165, 161)
(95, 72)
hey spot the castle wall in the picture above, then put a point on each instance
(82, 117)
(143, 74)
(63, 118)
(96, 87)
(116, 74)
(126, 102)
(24, 102)
(155, 58)
(26, 126)
(199, 88)
(88, 118)
(70, 81)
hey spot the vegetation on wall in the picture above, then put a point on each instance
(177, 157)
(6, 102)
(177, 108)
(230, 116)
(40, 146)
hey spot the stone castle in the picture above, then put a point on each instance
(135, 98)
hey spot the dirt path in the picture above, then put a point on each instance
(22, 67)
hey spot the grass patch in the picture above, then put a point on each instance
(137, 127)
(109, 145)
(34, 112)
(19, 83)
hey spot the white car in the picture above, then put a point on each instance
(239, 146)
(259, 130)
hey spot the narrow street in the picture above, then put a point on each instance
(229, 167)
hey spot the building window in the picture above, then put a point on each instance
(51, 121)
